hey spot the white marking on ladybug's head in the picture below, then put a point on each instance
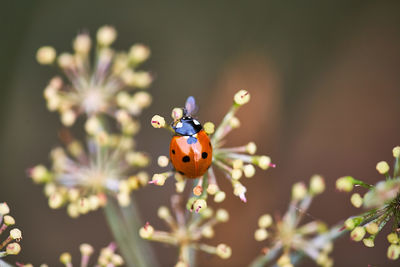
(179, 125)
(186, 136)
(196, 122)
(195, 135)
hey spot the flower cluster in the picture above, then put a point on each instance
(9, 246)
(234, 162)
(107, 257)
(382, 201)
(82, 178)
(102, 86)
(187, 230)
(287, 236)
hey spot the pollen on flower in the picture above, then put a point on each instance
(157, 121)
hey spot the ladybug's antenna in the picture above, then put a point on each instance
(190, 106)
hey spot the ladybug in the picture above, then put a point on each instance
(190, 149)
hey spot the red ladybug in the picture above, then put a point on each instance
(190, 149)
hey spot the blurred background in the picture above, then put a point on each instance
(324, 78)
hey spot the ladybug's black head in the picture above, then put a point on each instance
(187, 126)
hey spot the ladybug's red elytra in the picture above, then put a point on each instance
(190, 149)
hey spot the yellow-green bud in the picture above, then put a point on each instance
(261, 234)
(358, 233)
(223, 251)
(265, 221)
(299, 191)
(396, 152)
(382, 167)
(356, 200)
(317, 184)
(241, 97)
(393, 238)
(344, 184)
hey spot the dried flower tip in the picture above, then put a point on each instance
(82, 43)
(358, 233)
(146, 231)
(199, 205)
(117, 260)
(123, 199)
(223, 251)
(207, 213)
(8, 220)
(65, 61)
(56, 200)
(93, 125)
(356, 200)
(4, 209)
(350, 223)
(241, 97)
(106, 35)
(249, 170)
(396, 152)
(207, 232)
(264, 162)
(284, 260)
(236, 174)
(260, 234)
(317, 184)
(65, 258)
(158, 179)
(299, 191)
(68, 117)
(265, 221)
(234, 122)
(209, 127)
(345, 183)
(177, 113)
(393, 238)
(163, 212)
(157, 121)
(239, 190)
(393, 252)
(212, 189)
(86, 249)
(13, 249)
(251, 148)
(197, 190)
(372, 228)
(181, 264)
(382, 167)
(139, 53)
(222, 215)
(219, 196)
(162, 161)
(46, 55)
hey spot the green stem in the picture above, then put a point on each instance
(5, 264)
(125, 223)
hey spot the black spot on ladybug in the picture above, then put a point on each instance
(192, 140)
(204, 155)
(182, 173)
(186, 159)
(173, 151)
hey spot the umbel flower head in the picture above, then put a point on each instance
(188, 230)
(82, 178)
(234, 162)
(287, 236)
(382, 202)
(107, 257)
(9, 237)
(100, 86)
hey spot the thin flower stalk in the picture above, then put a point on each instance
(187, 231)
(287, 237)
(382, 205)
(107, 257)
(9, 236)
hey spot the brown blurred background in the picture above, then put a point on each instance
(324, 78)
